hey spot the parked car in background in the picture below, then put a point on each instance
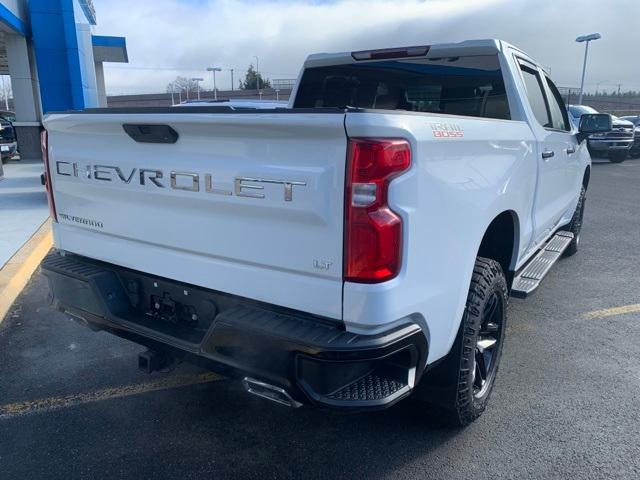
(615, 144)
(7, 115)
(635, 149)
(8, 143)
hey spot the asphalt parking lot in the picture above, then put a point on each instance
(566, 403)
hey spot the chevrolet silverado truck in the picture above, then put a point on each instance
(350, 250)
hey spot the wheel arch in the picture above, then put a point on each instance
(500, 242)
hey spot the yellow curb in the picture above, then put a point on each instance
(18, 270)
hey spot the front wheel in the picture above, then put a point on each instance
(575, 226)
(618, 157)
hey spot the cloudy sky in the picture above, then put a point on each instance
(166, 38)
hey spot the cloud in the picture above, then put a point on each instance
(166, 38)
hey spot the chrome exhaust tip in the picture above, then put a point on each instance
(270, 392)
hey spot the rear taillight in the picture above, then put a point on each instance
(373, 232)
(44, 146)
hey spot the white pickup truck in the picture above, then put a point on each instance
(344, 252)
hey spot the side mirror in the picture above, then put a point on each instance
(591, 123)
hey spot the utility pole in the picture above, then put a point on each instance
(231, 79)
(173, 87)
(257, 73)
(619, 85)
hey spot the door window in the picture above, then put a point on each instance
(559, 118)
(535, 95)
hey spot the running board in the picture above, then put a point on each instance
(530, 277)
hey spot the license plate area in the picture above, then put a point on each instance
(170, 308)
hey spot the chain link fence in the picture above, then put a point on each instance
(614, 105)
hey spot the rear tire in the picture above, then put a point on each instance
(575, 225)
(617, 157)
(460, 385)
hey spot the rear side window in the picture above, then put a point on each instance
(471, 86)
(535, 95)
(559, 117)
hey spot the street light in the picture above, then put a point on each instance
(586, 39)
(257, 73)
(214, 70)
(197, 80)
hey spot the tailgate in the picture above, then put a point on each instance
(248, 204)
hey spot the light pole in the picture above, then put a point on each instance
(173, 87)
(586, 39)
(214, 70)
(257, 73)
(197, 80)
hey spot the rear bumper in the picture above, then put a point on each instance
(314, 360)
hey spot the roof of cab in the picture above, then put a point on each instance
(436, 50)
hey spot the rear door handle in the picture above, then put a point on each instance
(547, 154)
(571, 150)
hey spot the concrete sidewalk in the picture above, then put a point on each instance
(23, 206)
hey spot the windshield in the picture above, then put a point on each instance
(6, 132)
(577, 110)
(9, 116)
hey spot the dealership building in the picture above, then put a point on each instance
(55, 62)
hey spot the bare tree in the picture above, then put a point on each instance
(184, 86)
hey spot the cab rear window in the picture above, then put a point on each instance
(470, 86)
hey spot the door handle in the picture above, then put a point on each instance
(547, 154)
(571, 150)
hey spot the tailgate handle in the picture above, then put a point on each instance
(151, 133)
